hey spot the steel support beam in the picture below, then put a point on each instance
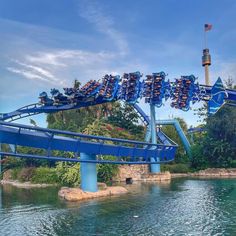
(154, 168)
(0, 159)
(88, 172)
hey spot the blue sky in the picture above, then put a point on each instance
(46, 44)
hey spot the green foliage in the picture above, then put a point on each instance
(217, 148)
(12, 162)
(68, 174)
(124, 116)
(106, 171)
(45, 175)
(26, 174)
(176, 168)
(14, 173)
(199, 161)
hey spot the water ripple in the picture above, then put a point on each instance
(182, 207)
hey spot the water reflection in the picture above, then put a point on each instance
(180, 207)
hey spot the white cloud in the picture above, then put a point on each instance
(93, 13)
(27, 74)
(38, 70)
(64, 57)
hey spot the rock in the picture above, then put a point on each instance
(18, 184)
(117, 190)
(7, 175)
(133, 172)
(102, 186)
(210, 173)
(76, 194)
(163, 176)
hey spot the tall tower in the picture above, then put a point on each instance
(206, 62)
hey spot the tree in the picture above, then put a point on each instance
(124, 116)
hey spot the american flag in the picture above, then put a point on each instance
(207, 27)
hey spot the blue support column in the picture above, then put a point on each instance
(0, 159)
(155, 168)
(88, 172)
(148, 134)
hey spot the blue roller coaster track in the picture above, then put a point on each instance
(90, 149)
(112, 88)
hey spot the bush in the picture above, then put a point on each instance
(45, 175)
(107, 171)
(233, 164)
(199, 160)
(68, 174)
(176, 168)
(14, 173)
(25, 174)
(13, 162)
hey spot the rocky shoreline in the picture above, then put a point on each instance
(76, 194)
(18, 184)
(209, 173)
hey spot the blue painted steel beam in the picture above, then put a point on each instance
(49, 140)
(231, 92)
(196, 130)
(0, 159)
(88, 173)
(75, 160)
(155, 168)
(180, 132)
(142, 113)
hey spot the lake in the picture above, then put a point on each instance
(181, 207)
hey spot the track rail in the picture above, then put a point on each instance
(126, 151)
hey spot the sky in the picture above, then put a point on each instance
(49, 43)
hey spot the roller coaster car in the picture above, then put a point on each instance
(178, 81)
(69, 91)
(156, 94)
(126, 76)
(133, 78)
(78, 96)
(158, 79)
(147, 94)
(135, 74)
(44, 99)
(184, 97)
(147, 90)
(87, 85)
(58, 97)
(43, 95)
(174, 104)
(167, 96)
(195, 99)
(149, 77)
(157, 86)
(148, 83)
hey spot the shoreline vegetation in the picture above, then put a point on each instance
(207, 173)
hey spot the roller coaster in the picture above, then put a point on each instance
(89, 149)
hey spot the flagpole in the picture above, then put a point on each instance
(205, 39)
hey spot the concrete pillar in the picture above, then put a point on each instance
(207, 79)
(88, 173)
(154, 168)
